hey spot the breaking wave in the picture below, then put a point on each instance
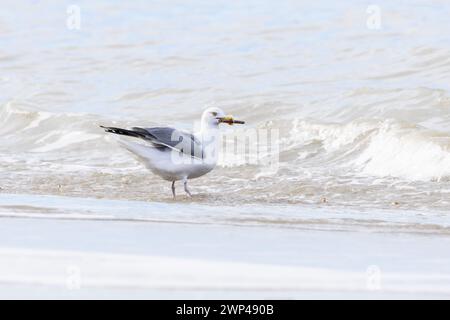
(383, 148)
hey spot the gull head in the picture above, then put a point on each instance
(213, 117)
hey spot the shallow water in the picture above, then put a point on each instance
(276, 217)
(363, 114)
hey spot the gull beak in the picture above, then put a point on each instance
(230, 120)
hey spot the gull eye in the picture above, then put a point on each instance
(214, 114)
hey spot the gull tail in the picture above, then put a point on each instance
(148, 156)
(124, 132)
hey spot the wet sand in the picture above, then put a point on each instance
(88, 255)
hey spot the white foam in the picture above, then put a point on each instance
(376, 148)
(409, 154)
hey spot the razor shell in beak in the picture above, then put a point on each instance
(230, 120)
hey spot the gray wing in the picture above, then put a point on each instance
(174, 139)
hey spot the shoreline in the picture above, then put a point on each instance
(118, 254)
(303, 217)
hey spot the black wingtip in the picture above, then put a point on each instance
(107, 129)
(123, 132)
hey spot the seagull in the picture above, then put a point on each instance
(176, 155)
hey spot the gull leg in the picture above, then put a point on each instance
(186, 189)
(173, 190)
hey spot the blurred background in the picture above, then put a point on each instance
(358, 92)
